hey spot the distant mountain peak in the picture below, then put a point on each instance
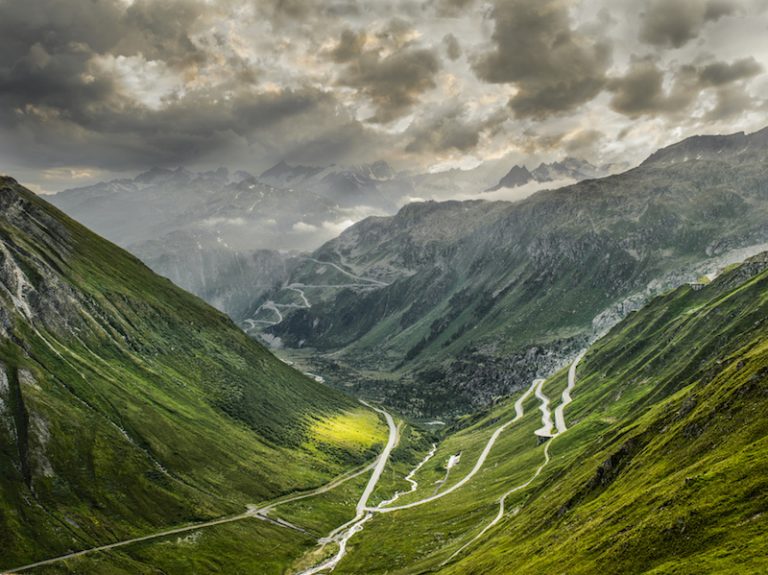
(517, 176)
(285, 173)
(567, 169)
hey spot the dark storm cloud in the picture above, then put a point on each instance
(392, 80)
(122, 135)
(641, 90)
(54, 91)
(676, 22)
(47, 51)
(719, 73)
(554, 66)
(452, 47)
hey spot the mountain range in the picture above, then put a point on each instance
(464, 300)
(569, 169)
(584, 375)
(656, 465)
(226, 236)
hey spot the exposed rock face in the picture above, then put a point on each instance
(37, 293)
(517, 176)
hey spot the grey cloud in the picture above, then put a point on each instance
(397, 31)
(160, 31)
(393, 82)
(449, 129)
(582, 143)
(53, 90)
(732, 101)
(287, 15)
(555, 66)
(122, 135)
(47, 50)
(641, 91)
(290, 10)
(452, 8)
(719, 73)
(220, 93)
(350, 46)
(452, 47)
(676, 22)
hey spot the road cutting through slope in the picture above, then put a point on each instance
(341, 535)
(566, 397)
(519, 412)
(561, 428)
(253, 511)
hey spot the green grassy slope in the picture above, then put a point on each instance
(128, 405)
(674, 480)
(664, 468)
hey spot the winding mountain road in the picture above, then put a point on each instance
(305, 304)
(344, 533)
(409, 478)
(566, 397)
(253, 511)
(546, 416)
(561, 428)
(347, 273)
(364, 513)
(519, 412)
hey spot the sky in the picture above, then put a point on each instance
(95, 89)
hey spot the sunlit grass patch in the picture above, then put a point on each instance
(356, 431)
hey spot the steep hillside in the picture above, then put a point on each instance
(127, 405)
(229, 280)
(667, 472)
(486, 301)
(659, 464)
(215, 234)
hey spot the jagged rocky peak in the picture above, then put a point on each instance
(568, 169)
(517, 176)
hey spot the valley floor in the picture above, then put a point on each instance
(285, 514)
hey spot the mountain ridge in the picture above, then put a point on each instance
(531, 276)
